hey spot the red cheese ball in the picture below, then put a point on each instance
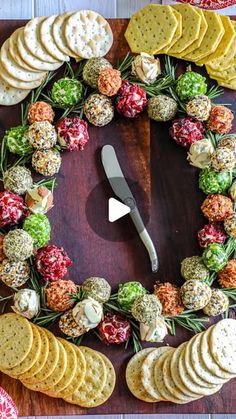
(114, 328)
(12, 209)
(52, 262)
(211, 233)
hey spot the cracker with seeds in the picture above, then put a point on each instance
(94, 380)
(9, 95)
(51, 363)
(88, 34)
(196, 44)
(47, 40)
(58, 33)
(16, 339)
(177, 34)
(147, 371)
(41, 360)
(212, 38)
(151, 29)
(222, 341)
(31, 358)
(133, 376)
(16, 83)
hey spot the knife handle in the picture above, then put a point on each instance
(146, 239)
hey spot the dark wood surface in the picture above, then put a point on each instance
(152, 161)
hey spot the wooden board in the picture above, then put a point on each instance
(145, 152)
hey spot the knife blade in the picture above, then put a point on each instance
(122, 190)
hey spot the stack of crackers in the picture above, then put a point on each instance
(53, 365)
(195, 369)
(188, 33)
(44, 44)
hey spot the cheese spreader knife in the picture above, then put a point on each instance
(121, 189)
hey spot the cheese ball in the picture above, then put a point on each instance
(162, 108)
(67, 92)
(26, 303)
(217, 207)
(97, 288)
(146, 308)
(200, 153)
(223, 159)
(18, 245)
(39, 199)
(211, 181)
(14, 273)
(218, 303)
(220, 119)
(114, 328)
(46, 162)
(40, 111)
(128, 292)
(16, 140)
(215, 257)
(211, 233)
(190, 84)
(194, 268)
(195, 294)
(227, 276)
(12, 209)
(18, 180)
(169, 296)
(39, 228)
(92, 69)
(199, 107)
(98, 110)
(230, 225)
(109, 81)
(69, 327)
(58, 295)
(41, 135)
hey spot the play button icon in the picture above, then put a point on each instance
(116, 210)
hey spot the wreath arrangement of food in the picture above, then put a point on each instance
(56, 110)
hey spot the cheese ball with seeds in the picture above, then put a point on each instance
(146, 308)
(46, 162)
(18, 180)
(14, 273)
(194, 268)
(218, 303)
(162, 108)
(18, 245)
(98, 110)
(41, 135)
(97, 288)
(195, 294)
(92, 69)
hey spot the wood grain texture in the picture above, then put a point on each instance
(125, 8)
(16, 9)
(46, 7)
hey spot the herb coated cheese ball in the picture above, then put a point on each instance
(97, 288)
(38, 227)
(194, 268)
(17, 141)
(195, 294)
(211, 181)
(215, 257)
(18, 245)
(46, 162)
(67, 92)
(146, 308)
(218, 303)
(162, 108)
(128, 292)
(190, 84)
(18, 180)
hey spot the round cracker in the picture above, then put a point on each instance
(107, 390)
(31, 358)
(222, 342)
(16, 340)
(197, 362)
(161, 377)
(188, 365)
(56, 375)
(78, 377)
(189, 383)
(175, 392)
(174, 367)
(9, 95)
(147, 371)
(69, 372)
(208, 359)
(47, 40)
(14, 69)
(14, 51)
(58, 32)
(88, 34)
(30, 59)
(18, 84)
(51, 363)
(133, 376)
(94, 380)
(40, 362)
(33, 41)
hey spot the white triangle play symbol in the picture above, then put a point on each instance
(116, 210)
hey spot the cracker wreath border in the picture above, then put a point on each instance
(191, 320)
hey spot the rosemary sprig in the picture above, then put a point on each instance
(214, 92)
(34, 280)
(125, 66)
(4, 156)
(48, 183)
(230, 292)
(163, 83)
(188, 320)
(4, 302)
(49, 318)
(75, 341)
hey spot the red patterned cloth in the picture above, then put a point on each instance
(8, 409)
(210, 4)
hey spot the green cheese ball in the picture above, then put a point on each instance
(190, 84)
(67, 92)
(38, 227)
(215, 257)
(16, 141)
(128, 292)
(214, 182)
